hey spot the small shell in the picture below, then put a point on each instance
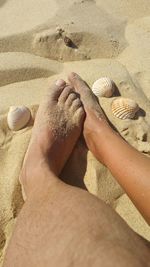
(18, 117)
(103, 87)
(68, 42)
(124, 108)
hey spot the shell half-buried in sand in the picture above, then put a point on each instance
(103, 87)
(124, 108)
(18, 117)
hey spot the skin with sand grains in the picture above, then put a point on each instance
(49, 199)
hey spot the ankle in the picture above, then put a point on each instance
(36, 167)
(39, 180)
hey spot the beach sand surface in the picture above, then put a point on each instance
(108, 38)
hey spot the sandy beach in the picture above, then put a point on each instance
(109, 38)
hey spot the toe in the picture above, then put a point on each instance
(64, 94)
(76, 104)
(72, 96)
(55, 91)
(89, 100)
(79, 115)
(51, 98)
(80, 86)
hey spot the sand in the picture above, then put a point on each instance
(110, 38)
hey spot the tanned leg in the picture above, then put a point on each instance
(61, 225)
(109, 148)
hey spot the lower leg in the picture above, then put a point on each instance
(64, 225)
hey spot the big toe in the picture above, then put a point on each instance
(50, 99)
(56, 90)
(88, 98)
(80, 86)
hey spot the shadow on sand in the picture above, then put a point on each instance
(2, 2)
(74, 171)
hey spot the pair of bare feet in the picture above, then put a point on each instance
(64, 112)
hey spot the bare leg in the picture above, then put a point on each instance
(57, 127)
(61, 225)
(111, 149)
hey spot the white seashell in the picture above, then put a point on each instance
(103, 87)
(18, 117)
(124, 108)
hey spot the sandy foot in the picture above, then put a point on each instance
(57, 127)
(88, 98)
(90, 102)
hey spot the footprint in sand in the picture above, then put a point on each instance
(70, 46)
(59, 45)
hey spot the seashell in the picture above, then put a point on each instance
(103, 87)
(124, 108)
(18, 117)
(68, 42)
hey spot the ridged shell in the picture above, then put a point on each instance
(18, 117)
(124, 108)
(103, 87)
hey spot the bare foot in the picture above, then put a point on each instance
(57, 127)
(94, 114)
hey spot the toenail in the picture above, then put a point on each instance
(74, 76)
(60, 82)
